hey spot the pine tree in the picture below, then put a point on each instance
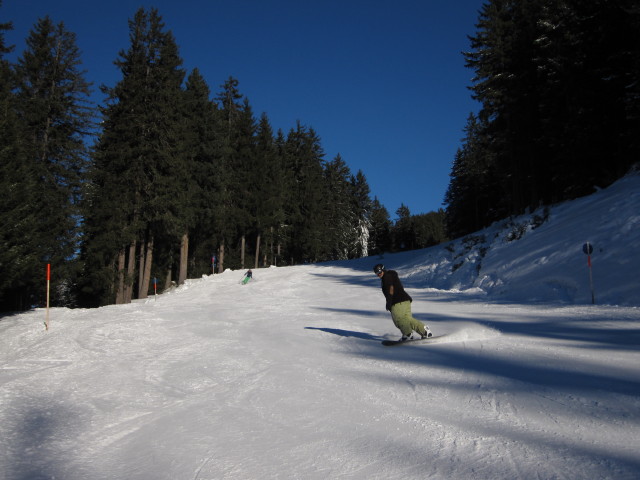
(361, 206)
(471, 197)
(380, 232)
(558, 84)
(403, 234)
(506, 83)
(267, 190)
(340, 221)
(303, 157)
(139, 168)
(244, 167)
(55, 116)
(232, 217)
(429, 229)
(281, 231)
(19, 259)
(202, 135)
(590, 103)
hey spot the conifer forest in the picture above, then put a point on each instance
(170, 179)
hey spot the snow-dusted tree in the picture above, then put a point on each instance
(361, 206)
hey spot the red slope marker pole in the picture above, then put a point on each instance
(46, 323)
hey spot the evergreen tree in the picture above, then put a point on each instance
(19, 259)
(558, 84)
(590, 104)
(303, 157)
(282, 229)
(429, 229)
(137, 160)
(340, 219)
(232, 143)
(244, 168)
(55, 116)
(170, 172)
(403, 234)
(471, 196)
(380, 240)
(203, 151)
(361, 206)
(506, 84)
(267, 189)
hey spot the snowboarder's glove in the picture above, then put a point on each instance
(388, 306)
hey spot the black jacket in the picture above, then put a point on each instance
(390, 279)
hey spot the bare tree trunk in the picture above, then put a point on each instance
(147, 268)
(184, 257)
(221, 258)
(141, 270)
(121, 277)
(167, 281)
(242, 243)
(257, 252)
(131, 268)
(271, 249)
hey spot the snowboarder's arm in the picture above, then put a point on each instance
(388, 295)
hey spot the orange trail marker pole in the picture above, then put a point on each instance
(46, 323)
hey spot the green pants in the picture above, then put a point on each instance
(403, 319)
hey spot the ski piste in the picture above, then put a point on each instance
(391, 343)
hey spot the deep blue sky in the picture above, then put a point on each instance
(382, 82)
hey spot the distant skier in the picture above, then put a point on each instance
(399, 304)
(247, 276)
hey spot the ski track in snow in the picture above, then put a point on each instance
(286, 378)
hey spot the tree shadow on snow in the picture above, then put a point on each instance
(362, 280)
(353, 311)
(581, 335)
(38, 431)
(347, 333)
(579, 388)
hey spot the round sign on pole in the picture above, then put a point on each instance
(587, 248)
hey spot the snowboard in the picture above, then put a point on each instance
(391, 343)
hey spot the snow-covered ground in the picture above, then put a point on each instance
(285, 377)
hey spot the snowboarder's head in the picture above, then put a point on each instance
(378, 269)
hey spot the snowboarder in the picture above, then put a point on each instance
(399, 304)
(247, 276)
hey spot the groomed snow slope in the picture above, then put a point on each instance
(285, 378)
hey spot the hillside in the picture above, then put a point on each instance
(286, 378)
(546, 262)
